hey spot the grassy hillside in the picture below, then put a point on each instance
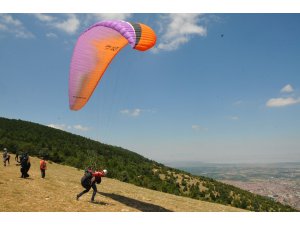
(124, 165)
(58, 190)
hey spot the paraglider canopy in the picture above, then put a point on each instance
(95, 49)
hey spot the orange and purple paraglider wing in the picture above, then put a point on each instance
(95, 49)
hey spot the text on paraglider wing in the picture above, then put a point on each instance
(79, 97)
(111, 48)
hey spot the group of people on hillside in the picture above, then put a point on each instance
(23, 160)
(88, 181)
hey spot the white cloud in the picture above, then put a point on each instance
(68, 127)
(284, 101)
(177, 29)
(107, 16)
(234, 118)
(281, 102)
(239, 102)
(136, 112)
(11, 25)
(80, 127)
(58, 126)
(8, 19)
(287, 89)
(197, 127)
(133, 112)
(68, 25)
(51, 35)
(44, 17)
(2, 27)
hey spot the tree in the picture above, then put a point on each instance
(124, 176)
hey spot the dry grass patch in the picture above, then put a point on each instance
(57, 192)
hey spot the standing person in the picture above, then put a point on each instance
(25, 165)
(20, 155)
(28, 165)
(89, 181)
(17, 156)
(6, 156)
(43, 167)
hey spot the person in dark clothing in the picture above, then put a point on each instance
(89, 181)
(17, 157)
(25, 165)
(6, 157)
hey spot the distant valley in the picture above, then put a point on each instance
(278, 181)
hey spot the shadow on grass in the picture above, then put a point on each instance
(99, 203)
(139, 205)
(27, 178)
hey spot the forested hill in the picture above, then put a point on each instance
(73, 150)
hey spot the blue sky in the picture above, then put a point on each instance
(197, 96)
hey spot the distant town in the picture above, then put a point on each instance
(278, 181)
